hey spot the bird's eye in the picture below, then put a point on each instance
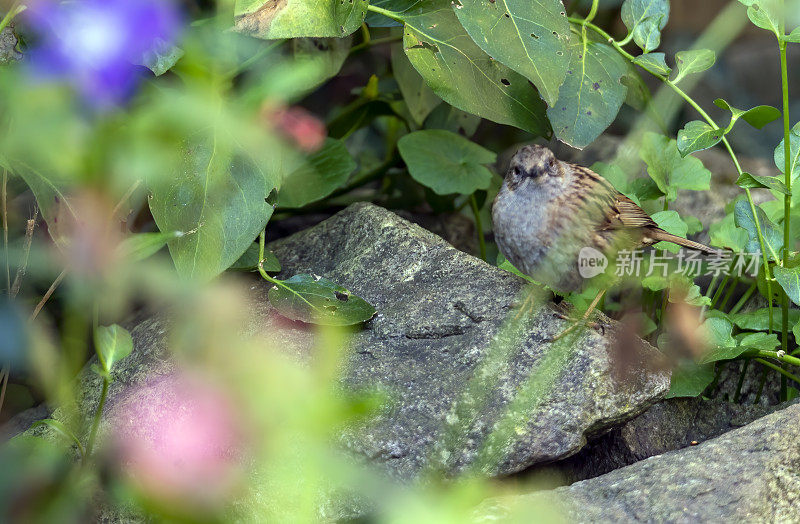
(552, 162)
(517, 171)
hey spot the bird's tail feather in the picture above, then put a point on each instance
(658, 235)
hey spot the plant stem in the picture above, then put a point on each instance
(4, 213)
(741, 382)
(762, 353)
(265, 276)
(385, 12)
(47, 295)
(26, 250)
(12, 12)
(473, 202)
(779, 369)
(96, 422)
(787, 199)
(378, 41)
(742, 301)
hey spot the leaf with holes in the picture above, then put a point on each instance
(645, 19)
(318, 177)
(446, 162)
(653, 62)
(789, 279)
(112, 344)
(529, 37)
(794, 153)
(773, 238)
(591, 95)
(273, 19)
(317, 300)
(463, 75)
(696, 136)
(694, 61)
(419, 98)
(757, 117)
(747, 180)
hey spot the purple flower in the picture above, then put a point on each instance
(96, 44)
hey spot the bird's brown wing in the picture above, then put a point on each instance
(623, 213)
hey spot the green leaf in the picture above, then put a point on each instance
(653, 62)
(463, 75)
(446, 162)
(693, 61)
(696, 136)
(725, 233)
(270, 19)
(591, 95)
(794, 153)
(794, 36)
(671, 222)
(529, 37)
(218, 196)
(764, 14)
(322, 57)
(646, 19)
(445, 116)
(140, 246)
(669, 170)
(638, 95)
(757, 117)
(758, 320)
(763, 341)
(419, 98)
(162, 57)
(324, 171)
(112, 344)
(318, 300)
(789, 279)
(60, 428)
(752, 181)
(249, 260)
(743, 217)
(690, 380)
(693, 224)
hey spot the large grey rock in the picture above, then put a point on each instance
(439, 316)
(751, 474)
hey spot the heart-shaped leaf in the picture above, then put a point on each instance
(768, 182)
(591, 95)
(112, 344)
(446, 162)
(696, 136)
(419, 98)
(693, 61)
(757, 117)
(690, 379)
(773, 238)
(654, 63)
(529, 37)
(139, 246)
(318, 300)
(789, 279)
(763, 341)
(270, 19)
(318, 177)
(463, 75)
(249, 261)
(646, 19)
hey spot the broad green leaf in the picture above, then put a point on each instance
(653, 62)
(722, 353)
(322, 57)
(765, 14)
(789, 279)
(249, 260)
(693, 224)
(272, 19)
(725, 233)
(139, 246)
(794, 36)
(218, 196)
(318, 177)
(743, 217)
(764, 341)
(112, 344)
(318, 300)
(591, 95)
(669, 170)
(696, 136)
(646, 19)
(716, 332)
(768, 182)
(671, 222)
(446, 162)
(463, 75)
(693, 61)
(419, 98)
(757, 117)
(63, 430)
(378, 20)
(758, 320)
(690, 379)
(445, 116)
(529, 37)
(162, 57)
(794, 152)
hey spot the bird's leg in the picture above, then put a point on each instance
(583, 318)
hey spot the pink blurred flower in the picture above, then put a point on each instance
(303, 128)
(179, 440)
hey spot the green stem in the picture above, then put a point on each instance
(473, 202)
(96, 422)
(739, 384)
(261, 243)
(729, 294)
(592, 12)
(762, 353)
(385, 12)
(742, 301)
(787, 199)
(4, 215)
(377, 41)
(12, 12)
(778, 369)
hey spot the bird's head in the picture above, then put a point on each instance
(534, 164)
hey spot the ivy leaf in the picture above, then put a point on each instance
(764, 14)
(743, 217)
(249, 260)
(463, 75)
(317, 178)
(757, 117)
(591, 95)
(140, 246)
(669, 170)
(446, 162)
(419, 98)
(270, 20)
(794, 152)
(112, 344)
(789, 279)
(693, 61)
(696, 136)
(646, 19)
(653, 62)
(690, 380)
(752, 181)
(317, 300)
(529, 37)
(671, 222)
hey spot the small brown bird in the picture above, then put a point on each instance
(548, 210)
